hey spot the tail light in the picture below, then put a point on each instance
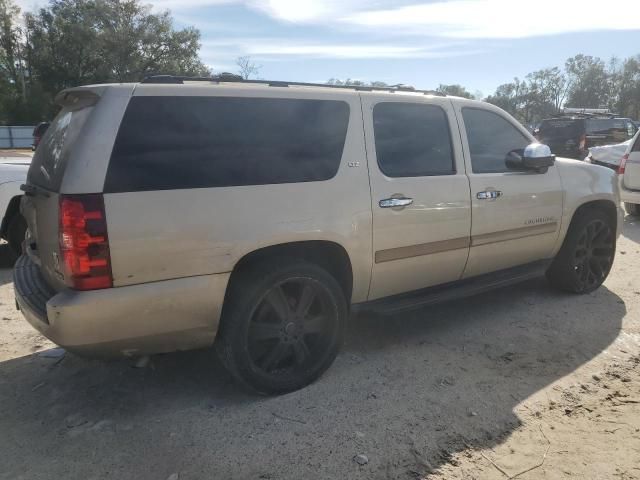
(623, 163)
(583, 142)
(84, 244)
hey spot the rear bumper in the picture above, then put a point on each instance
(170, 315)
(626, 195)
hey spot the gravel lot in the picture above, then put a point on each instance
(489, 387)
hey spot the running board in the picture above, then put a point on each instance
(453, 290)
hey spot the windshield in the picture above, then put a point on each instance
(52, 154)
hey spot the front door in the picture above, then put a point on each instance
(515, 215)
(420, 193)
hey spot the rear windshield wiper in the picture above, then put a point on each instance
(33, 190)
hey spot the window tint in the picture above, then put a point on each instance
(50, 159)
(194, 142)
(604, 126)
(561, 128)
(491, 138)
(412, 140)
(636, 145)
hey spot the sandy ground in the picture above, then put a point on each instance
(15, 152)
(523, 382)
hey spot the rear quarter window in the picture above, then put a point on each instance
(197, 142)
(52, 155)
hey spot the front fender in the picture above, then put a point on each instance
(583, 183)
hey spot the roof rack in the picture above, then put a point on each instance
(586, 115)
(233, 78)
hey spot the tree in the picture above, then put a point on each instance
(356, 83)
(550, 87)
(76, 42)
(455, 90)
(247, 68)
(588, 82)
(626, 85)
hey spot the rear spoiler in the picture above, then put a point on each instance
(79, 97)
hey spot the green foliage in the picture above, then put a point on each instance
(355, 83)
(455, 90)
(79, 42)
(586, 82)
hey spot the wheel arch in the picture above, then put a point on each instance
(13, 208)
(329, 255)
(605, 205)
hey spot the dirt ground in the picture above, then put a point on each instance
(523, 382)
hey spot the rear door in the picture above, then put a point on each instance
(44, 181)
(420, 193)
(72, 158)
(631, 177)
(516, 215)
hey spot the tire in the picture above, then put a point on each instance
(15, 233)
(584, 261)
(282, 326)
(632, 209)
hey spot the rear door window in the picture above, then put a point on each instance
(197, 142)
(50, 159)
(412, 140)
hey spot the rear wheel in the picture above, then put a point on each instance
(282, 326)
(587, 254)
(632, 209)
(15, 233)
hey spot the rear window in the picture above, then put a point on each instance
(605, 126)
(50, 159)
(636, 145)
(561, 127)
(197, 142)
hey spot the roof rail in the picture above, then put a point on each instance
(233, 78)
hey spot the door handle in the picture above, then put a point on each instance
(489, 195)
(395, 202)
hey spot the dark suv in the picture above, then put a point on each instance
(572, 135)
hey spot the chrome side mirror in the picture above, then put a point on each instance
(536, 157)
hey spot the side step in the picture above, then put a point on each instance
(453, 290)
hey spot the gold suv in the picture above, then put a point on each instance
(175, 214)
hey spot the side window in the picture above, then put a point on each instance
(167, 143)
(412, 140)
(491, 138)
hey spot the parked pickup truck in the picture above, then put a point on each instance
(176, 214)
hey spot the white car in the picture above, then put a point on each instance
(13, 173)
(629, 171)
(608, 156)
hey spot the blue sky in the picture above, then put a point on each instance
(477, 43)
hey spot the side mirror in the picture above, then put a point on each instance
(536, 157)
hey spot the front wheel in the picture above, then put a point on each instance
(282, 326)
(632, 209)
(585, 259)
